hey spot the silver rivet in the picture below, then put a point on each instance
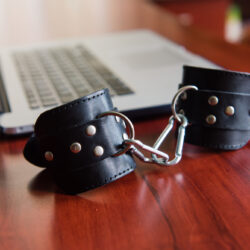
(98, 151)
(229, 110)
(75, 147)
(182, 112)
(125, 136)
(211, 119)
(213, 100)
(90, 130)
(117, 118)
(49, 156)
(184, 96)
(124, 124)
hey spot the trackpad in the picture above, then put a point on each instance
(153, 58)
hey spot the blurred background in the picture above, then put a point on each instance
(227, 19)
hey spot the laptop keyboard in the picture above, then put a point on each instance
(54, 76)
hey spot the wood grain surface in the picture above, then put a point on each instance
(202, 203)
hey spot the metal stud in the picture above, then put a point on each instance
(213, 100)
(98, 151)
(124, 124)
(48, 156)
(90, 130)
(229, 110)
(211, 119)
(75, 147)
(125, 136)
(117, 118)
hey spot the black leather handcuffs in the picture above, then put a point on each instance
(77, 147)
(85, 145)
(219, 111)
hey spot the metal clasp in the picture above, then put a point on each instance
(181, 130)
(136, 143)
(158, 157)
(180, 141)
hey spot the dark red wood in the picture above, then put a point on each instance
(202, 203)
(206, 15)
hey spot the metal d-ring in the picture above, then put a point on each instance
(131, 135)
(176, 97)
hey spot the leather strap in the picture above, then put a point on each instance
(223, 123)
(75, 122)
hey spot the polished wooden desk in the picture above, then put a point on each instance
(202, 203)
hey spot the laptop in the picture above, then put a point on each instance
(141, 69)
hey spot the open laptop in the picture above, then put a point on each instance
(141, 69)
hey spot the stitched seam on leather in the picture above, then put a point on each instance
(78, 102)
(106, 146)
(108, 180)
(97, 160)
(222, 92)
(224, 146)
(60, 109)
(201, 123)
(219, 72)
(232, 74)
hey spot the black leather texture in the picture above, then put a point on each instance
(56, 130)
(229, 132)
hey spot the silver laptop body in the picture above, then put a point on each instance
(141, 69)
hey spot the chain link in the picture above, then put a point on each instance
(157, 157)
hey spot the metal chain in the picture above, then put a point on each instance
(157, 157)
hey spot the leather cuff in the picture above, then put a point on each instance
(77, 146)
(219, 112)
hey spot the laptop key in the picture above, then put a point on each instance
(67, 98)
(72, 73)
(101, 72)
(49, 102)
(34, 105)
(32, 100)
(54, 76)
